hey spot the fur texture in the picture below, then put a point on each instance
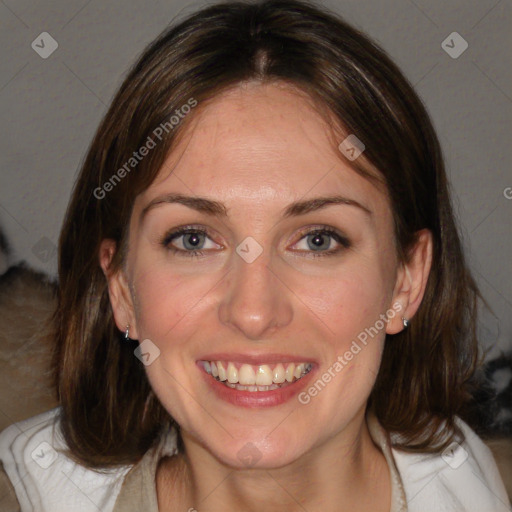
(27, 300)
(492, 413)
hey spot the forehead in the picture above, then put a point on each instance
(258, 144)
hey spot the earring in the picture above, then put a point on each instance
(405, 322)
(127, 333)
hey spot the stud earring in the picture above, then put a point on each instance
(405, 322)
(127, 333)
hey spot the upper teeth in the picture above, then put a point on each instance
(259, 375)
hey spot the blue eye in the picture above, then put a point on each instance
(193, 240)
(319, 242)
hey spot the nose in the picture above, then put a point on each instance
(257, 301)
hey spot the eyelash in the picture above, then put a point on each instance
(192, 230)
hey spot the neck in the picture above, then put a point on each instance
(345, 473)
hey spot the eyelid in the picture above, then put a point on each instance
(321, 228)
(180, 231)
(343, 241)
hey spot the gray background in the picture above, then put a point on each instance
(51, 107)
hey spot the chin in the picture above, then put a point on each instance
(258, 451)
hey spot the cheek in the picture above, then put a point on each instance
(347, 307)
(164, 299)
(346, 301)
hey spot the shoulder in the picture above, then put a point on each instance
(463, 477)
(33, 454)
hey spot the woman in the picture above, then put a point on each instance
(263, 299)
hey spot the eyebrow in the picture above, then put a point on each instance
(217, 209)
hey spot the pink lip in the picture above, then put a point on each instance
(256, 399)
(255, 358)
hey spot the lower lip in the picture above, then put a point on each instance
(256, 398)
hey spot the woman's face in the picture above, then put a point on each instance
(270, 288)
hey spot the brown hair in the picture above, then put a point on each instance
(109, 413)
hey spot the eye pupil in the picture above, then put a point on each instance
(318, 240)
(193, 239)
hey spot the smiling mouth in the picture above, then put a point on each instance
(247, 377)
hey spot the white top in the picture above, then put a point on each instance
(464, 478)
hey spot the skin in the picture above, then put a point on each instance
(257, 148)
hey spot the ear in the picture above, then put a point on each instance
(411, 281)
(118, 289)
